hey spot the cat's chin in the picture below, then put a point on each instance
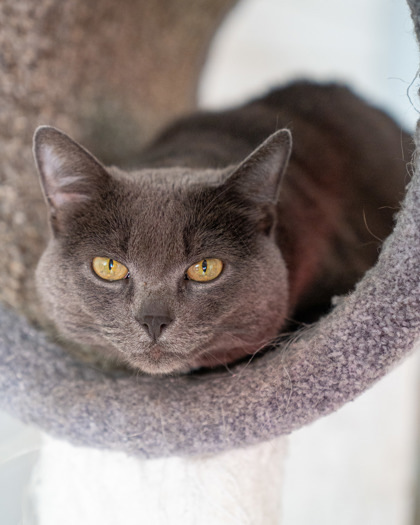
(161, 362)
(157, 361)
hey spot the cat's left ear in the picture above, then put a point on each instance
(70, 176)
(260, 174)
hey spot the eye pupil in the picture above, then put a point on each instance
(204, 266)
(109, 269)
(205, 270)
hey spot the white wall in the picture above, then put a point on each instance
(366, 43)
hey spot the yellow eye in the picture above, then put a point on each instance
(205, 270)
(109, 269)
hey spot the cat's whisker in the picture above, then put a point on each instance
(215, 357)
(239, 335)
(273, 341)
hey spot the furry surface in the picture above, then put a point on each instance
(343, 354)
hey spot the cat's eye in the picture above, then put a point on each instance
(205, 270)
(109, 269)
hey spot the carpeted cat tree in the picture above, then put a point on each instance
(306, 377)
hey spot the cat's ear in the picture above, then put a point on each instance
(70, 175)
(260, 174)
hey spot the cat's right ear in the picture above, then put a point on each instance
(260, 175)
(70, 176)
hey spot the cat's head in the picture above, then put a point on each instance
(167, 269)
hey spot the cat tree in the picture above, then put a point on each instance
(366, 335)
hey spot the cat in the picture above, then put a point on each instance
(225, 233)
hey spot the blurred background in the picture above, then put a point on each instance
(367, 44)
(359, 465)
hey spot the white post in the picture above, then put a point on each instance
(96, 487)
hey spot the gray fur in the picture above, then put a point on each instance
(290, 233)
(158, 223)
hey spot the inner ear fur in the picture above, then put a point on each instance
(260, 175)
(68, 172)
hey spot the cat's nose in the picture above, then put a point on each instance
(154, 321)
(155, 324)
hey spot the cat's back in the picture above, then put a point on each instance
(317, 115)
(365, 137)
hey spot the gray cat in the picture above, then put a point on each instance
(221, 238)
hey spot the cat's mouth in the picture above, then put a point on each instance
(156, 353)
(158, 360)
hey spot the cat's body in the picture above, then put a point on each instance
(290, 234)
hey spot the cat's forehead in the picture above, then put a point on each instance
(165, 212)
(170, 199)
